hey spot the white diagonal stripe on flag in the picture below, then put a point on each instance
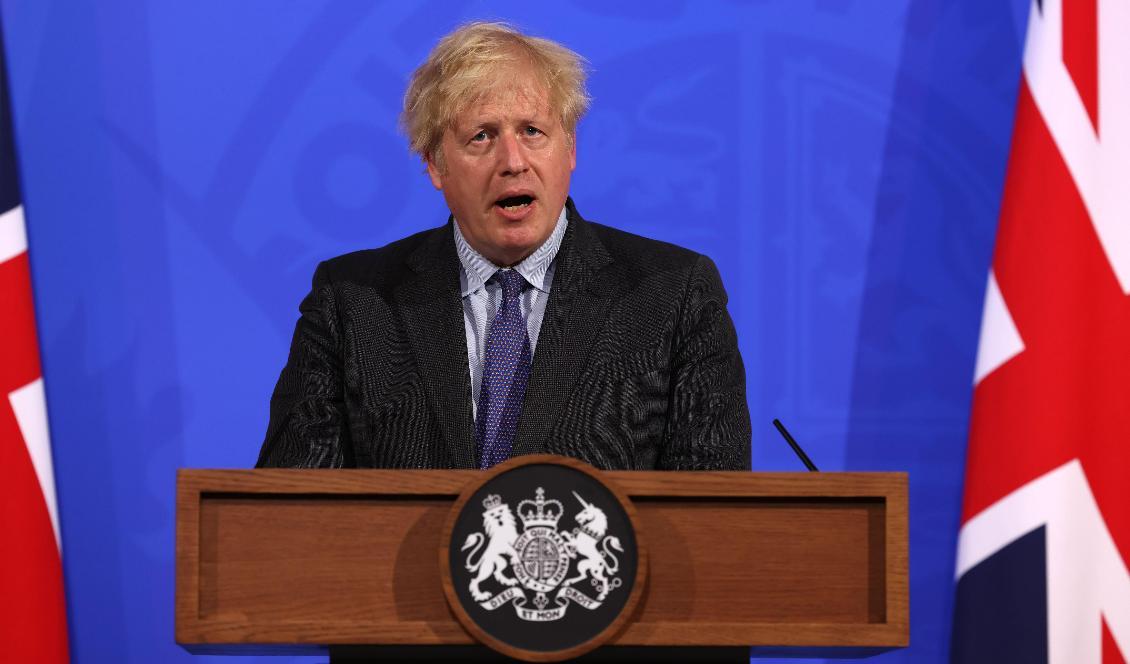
(13, 236)
(1000, 340)
(30, 406)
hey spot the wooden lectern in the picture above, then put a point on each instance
(286, 560)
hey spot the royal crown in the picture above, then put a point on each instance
(540, 512)
(492, 501)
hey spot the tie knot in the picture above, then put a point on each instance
(512, 283)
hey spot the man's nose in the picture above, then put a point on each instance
(512, 156)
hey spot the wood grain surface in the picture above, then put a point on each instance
(349, 557)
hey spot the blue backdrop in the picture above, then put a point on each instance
(186, 164)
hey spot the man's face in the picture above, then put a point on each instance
(506, 167)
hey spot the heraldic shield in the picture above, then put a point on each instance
(542, 558)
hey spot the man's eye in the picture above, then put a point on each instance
(479, 137)
(532, 131)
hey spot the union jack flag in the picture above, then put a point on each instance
(33, 625)
(1045, 538)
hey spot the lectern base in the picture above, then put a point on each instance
(365, 654)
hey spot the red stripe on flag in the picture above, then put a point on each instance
(33, 624)
(1066, 394)
(19, 355)
(1111, 654)
(1081, 52)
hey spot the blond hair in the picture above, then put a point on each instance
(463, 67)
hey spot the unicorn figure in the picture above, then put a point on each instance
(589, 543)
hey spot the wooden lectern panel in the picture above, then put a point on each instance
(351, 557)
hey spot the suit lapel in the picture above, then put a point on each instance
(432, 312)
(579, 301)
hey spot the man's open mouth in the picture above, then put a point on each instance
(511, 203)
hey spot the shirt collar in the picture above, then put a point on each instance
(475, 270)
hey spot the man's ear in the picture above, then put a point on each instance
(434, 171)
(573, 153)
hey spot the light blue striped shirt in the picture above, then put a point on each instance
(482, 295)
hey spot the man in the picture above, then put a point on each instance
(518, 327)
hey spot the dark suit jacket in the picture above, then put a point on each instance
(636, 366)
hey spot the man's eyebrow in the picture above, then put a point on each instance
(474, 125)
(540, 118)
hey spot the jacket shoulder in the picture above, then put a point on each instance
(643, 252)
(380, 266)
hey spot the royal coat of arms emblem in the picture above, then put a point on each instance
(542, 569)
(542, 558)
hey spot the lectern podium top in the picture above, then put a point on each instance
(269, 558)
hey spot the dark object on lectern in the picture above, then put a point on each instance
(796, 447)
(352, 561)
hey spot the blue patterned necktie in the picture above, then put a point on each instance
(506, 370)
